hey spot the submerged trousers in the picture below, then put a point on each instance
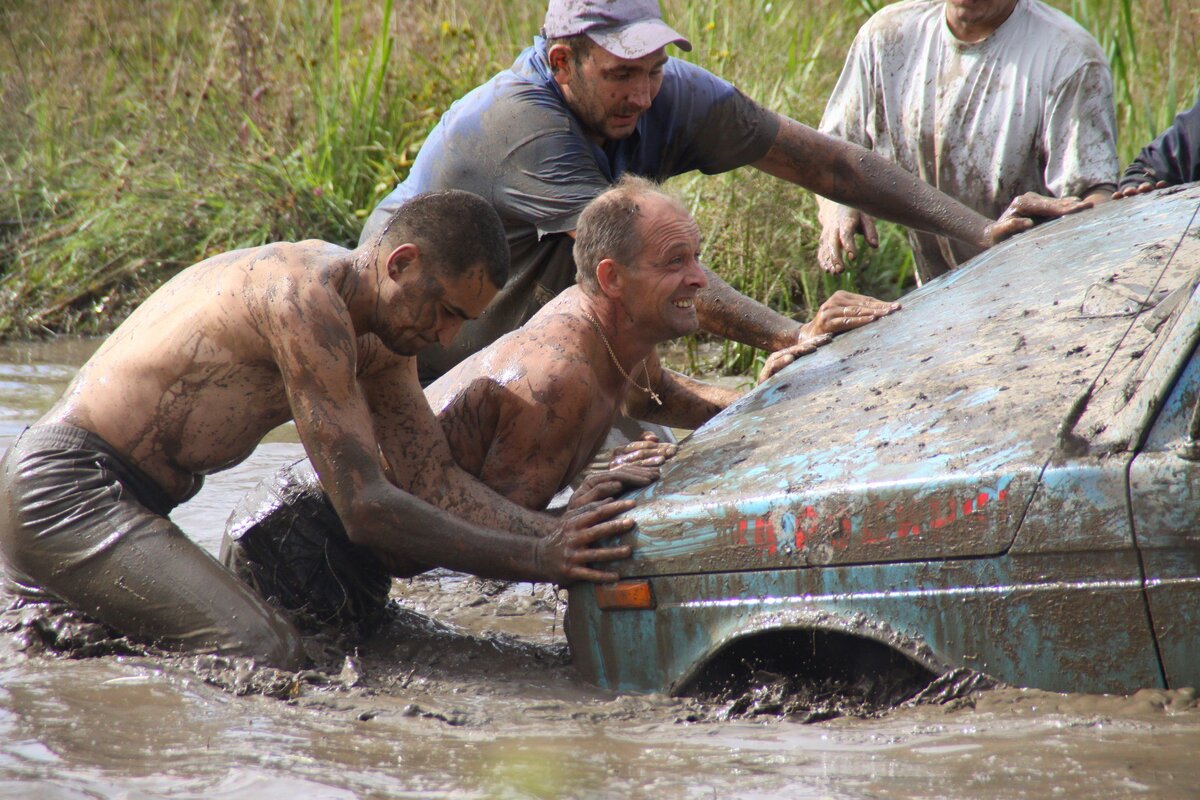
(80, 524)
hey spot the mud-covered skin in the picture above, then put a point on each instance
(238, 344)
(529, 413)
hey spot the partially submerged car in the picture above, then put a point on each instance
(1004, 477)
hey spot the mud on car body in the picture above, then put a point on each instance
(1003, 477)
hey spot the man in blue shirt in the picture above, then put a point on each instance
(595, 97)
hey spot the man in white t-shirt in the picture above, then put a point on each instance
(983, 99)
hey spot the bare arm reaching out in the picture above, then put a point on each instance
(315, 349)
(852, 175)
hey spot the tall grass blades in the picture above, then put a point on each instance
(139, 136)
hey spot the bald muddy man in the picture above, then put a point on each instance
(528, 413)
(221, 354)
(597, 97)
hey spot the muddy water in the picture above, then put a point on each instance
(469, 693)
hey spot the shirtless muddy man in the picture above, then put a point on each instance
(529, 412)
(226, 351)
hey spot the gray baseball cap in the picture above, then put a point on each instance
(625, 28)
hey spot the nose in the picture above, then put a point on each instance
(697, 276)
(642, 94)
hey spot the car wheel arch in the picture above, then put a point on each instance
(855, 633)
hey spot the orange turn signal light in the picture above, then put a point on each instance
(625, 594)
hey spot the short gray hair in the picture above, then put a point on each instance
(608, 227)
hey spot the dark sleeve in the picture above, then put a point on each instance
(1173, 157)
(709, 124)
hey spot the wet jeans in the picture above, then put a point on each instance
(80, 524)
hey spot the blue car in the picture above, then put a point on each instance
(1004, 476)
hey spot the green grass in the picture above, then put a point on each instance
(140, 137)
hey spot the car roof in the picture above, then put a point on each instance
(942, 416)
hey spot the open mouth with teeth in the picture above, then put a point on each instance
(684, 302)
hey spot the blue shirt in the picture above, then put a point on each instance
(515, 142)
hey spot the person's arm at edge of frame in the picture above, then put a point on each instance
(1171, 159)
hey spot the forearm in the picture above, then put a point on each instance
(854, 176)
(1174, 157)
(686, 402)
(731, 315)
(452, 489)
(398, 526)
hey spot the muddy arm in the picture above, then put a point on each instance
(731, 315)
(415, 446)
(315, 349)
(852, 175)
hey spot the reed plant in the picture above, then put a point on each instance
(139, 136)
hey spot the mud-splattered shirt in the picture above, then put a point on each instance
(514, 141)
(1029, 108)
(1173, 157)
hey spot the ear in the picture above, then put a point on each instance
(561, 61)
(611, 277)
(399, 259)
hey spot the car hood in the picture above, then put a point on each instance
(924, 434)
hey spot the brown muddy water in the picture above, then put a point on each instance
(469, 693)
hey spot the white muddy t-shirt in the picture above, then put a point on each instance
(1027, 109)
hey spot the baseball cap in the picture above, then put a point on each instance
(625, 28)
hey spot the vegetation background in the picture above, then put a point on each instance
(140, 136)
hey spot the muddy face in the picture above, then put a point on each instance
(608, 93)
(424, 305)
(660, 289)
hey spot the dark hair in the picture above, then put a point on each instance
(456, 231)
(608, 227)
(581, 46)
